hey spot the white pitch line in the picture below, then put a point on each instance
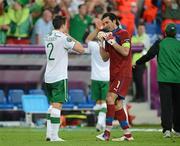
(131, 129)
(146, 129)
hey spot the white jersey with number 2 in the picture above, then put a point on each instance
(57, 45)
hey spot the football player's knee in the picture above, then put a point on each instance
(110, 100)
(118, 105)
(57, 105)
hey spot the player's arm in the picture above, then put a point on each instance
(37, 30)
(77, 46)
(152, 52)
(104, 54)
(92, 36)
(98, 28)
(124, 49)
(37, 39)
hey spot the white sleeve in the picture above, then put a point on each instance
(89, 46)
(68, 43)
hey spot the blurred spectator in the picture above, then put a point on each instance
(42, 27)
(50, 4)
(150, 11)
(111, 6)
(62, 10)
(39, 2)
(20, 23)
(73, 8)
(127, 10)
(4, 23)
(79, 23)
(91, 4)
(170, 12)
(36, 11)
(140, 38)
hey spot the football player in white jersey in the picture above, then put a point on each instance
(57, 45)
(99, 79)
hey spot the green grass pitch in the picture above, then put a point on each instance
(80, 137)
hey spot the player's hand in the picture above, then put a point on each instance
(110, 38)
(101, 35)
(98, 24)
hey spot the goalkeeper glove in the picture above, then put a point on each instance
(110, 38)
(101, 35)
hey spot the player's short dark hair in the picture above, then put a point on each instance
(111, 16)
(58, 21)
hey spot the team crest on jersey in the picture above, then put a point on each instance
(69, 39)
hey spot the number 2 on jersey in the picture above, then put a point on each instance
(50, 46)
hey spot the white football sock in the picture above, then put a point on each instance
(102, 119)
(48, 130)
(55, 123)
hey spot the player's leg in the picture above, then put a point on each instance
(101, 117)
(176, 109)
(48, 122)
(102, 113)
(59, 94)
(120, 115)
(166, 108)
(109, 116)
(55, 121)
(138, 80)
(95, 94)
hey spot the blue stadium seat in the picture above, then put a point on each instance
(36, 92)
(86, 106)
(77, 85)
(178, 28)
(14, 97)
(3, 101)
(89, 105)
(77, 96)
(90, 100)
(67, 106)
(35, 103)
(150, 28)
(2, 97)
(178, 31)
(152, 31)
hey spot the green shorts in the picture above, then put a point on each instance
(57, 92)
(99, 89)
